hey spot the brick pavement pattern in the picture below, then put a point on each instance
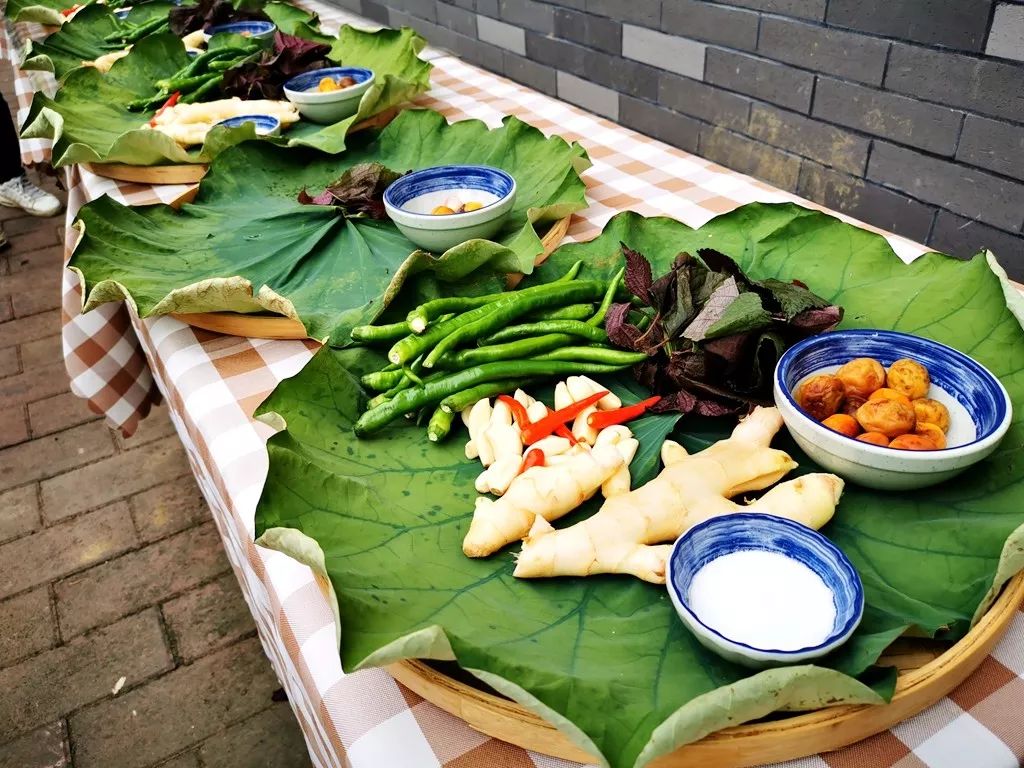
(110, 568)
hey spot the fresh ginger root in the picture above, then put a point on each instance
(624, 442)
(547, 492)
(625, 534)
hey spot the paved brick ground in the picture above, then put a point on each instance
(110, 567)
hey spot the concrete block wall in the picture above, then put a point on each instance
(908, 114)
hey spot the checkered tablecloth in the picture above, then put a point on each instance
(213, 383)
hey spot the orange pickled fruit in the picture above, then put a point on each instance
(851, 404)
(327, 84)
(885, 393)
(909, 377)
(472, 205)
(821, 396)
(889, 416)
(931, 411)
(875, 438)
(912, 442)
(862, 376)
(442, 210)
(840, 422)
(933, 432)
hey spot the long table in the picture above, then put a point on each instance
(213, 383)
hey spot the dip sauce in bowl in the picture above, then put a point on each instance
(763, 599)
(760, 590)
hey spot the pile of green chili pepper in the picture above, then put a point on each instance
(128, 33)
(450, 352)
(201, 76)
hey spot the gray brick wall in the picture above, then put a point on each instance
(907, 114)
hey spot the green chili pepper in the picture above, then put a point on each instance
(609, 297)
(440, 425)
(434, 390)
(571, 327)
(485, 320)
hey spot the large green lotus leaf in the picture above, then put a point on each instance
(605, 658)
(82, 39)
(246, 234)
(88, 121)
(296, 21)
(49, 11)
(40, 11)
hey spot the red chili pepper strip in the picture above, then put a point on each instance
(563, 431)
(68, 11)
(534, 458)
(602, 419)
(167, 104)
(544, 427)
(518, 411)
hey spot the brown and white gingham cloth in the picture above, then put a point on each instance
(105, 363)
(366, 720)
(14, 42)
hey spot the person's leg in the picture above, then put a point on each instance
(10, 154)
(16, 191)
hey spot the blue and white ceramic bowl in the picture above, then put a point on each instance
(328, 107)
(725, 535)
(257, 30)
(122, 13)
(410, 200)
(979, 409)
(265, 125)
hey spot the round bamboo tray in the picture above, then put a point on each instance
(192, 173)
(279, 327)
(150, 174)
(927, 672)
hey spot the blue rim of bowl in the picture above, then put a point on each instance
(229, 27)
(122, 13)
(240, 120)
(359, 74)
(447, 171)
(836, 637)
(979, 371)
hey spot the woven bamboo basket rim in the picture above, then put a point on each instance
(926, 675)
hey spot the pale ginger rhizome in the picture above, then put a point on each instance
(628, 534)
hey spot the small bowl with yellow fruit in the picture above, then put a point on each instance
(328, 95)
(441, 207)
(889, 410)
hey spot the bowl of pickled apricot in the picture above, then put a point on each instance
(889, 410)
(328, 95)
(438, 208)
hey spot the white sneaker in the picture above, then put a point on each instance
(19, 192)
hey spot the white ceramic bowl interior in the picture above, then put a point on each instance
(410, 200)
(979, 408)
(328, 107)
(745, 531)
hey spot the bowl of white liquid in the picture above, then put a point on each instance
(761, 590)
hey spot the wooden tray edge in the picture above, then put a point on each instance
(149, 174)
(263, 327)
(740, 746)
